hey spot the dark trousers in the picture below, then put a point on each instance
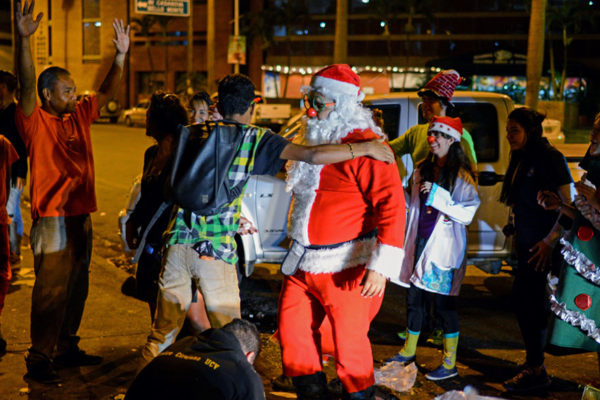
(445, 309)
(530, 303)
(62, 247)
(419, 301)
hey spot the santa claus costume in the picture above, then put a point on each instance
(348, 220)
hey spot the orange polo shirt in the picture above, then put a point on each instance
(60, 154)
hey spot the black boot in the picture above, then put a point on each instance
(311, 387)
(367, 394)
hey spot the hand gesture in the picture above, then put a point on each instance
(373, 284)
(26, 25)
(121, 39)
(541, 252)
(246, 227)
(548, 200)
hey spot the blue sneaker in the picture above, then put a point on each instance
(402, 359)
(442, 373)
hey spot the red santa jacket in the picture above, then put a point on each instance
(341, 204)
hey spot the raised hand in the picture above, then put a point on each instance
(26, 25)
(121, 39)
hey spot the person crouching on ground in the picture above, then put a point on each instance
(443, 201)
(344, 218)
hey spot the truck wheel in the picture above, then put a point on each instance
(113, 120)
(128, 121)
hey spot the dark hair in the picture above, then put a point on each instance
(531, 122)
(165, 113)
(9, 79)
(48, 79)
(246, 333)
(236, 93)
(455, 161)
(200, 96)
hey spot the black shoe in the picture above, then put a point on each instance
(528, 381)
(284, 383)
(76, 358)
(41, 371)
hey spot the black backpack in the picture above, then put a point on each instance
(202, 158)
(199, 180)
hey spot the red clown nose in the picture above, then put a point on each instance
(430, 139)
(311, 112)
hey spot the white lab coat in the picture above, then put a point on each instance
(441, 267)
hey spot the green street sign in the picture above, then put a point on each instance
(175, 8)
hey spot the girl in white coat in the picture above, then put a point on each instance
(443, 201)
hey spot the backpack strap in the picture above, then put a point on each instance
(155, 217)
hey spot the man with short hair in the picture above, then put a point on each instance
(348, 232)
(18, 175)
(57, 136)
(217, 364)
(203, 247)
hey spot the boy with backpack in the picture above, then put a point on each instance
(202, 247)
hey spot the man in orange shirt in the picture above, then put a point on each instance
(57, 137)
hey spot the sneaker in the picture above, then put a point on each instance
(77, 358)
(401, 359)
(442, 373)
(42, 371)
(528, 381)
(436, 337)
(284, 383)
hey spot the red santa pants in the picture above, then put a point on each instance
(304, 302)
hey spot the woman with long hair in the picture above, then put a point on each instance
(443, 201)
(164, 115)
(534, 166)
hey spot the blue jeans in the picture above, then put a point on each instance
(13, 208)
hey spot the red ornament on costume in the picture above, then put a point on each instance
(311, 112)
(585, 233)
(583, 301)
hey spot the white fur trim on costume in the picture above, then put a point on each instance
(348, 255)
(334, 85)
(448, 130)
(387, 260)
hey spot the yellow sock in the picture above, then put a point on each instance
(450, 342)
(410, 344)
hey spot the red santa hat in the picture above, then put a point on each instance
(448, 125)
(336, 80)
(442, 84)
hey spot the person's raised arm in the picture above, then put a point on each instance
(111, 82)
(26, 26)
(334, 153)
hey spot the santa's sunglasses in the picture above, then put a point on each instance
(316, 103)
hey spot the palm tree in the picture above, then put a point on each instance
(143, 27)
(283, 15)
(535, 52)
(569, 18)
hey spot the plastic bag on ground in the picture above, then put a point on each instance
(469, 393)
(396, 376)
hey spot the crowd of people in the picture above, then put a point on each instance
(352, 225)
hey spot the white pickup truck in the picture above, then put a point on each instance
(266, 203)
